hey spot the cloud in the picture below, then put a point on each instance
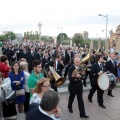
(72, 15)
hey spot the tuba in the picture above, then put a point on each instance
(82, 68)
(86, 58)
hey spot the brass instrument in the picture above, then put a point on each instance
(58, 80)
(82, 68)
(86, 58)
(45, 70)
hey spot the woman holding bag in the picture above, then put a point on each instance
(17, 81)
(8, 109)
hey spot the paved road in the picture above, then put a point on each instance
(112, 112)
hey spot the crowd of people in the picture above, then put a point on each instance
(25, 70)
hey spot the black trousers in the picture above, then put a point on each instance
(53, 86)
(26, 103)
(86, 75)
(79, 98)
(99, 94)
(66, 71)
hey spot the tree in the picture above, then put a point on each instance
(78, 39)
(2, 38)
(10, 35)
(61, 37)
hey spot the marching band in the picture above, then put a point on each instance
(49, 61)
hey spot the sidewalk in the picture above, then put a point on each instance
(112, 112)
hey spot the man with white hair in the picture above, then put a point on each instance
(76, 87)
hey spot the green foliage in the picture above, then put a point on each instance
(47, 38)
(78, 39)
(2, 38)
(65, 42)
(61, 37)
(10, 35)
(87, 42)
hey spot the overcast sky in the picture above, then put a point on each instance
(72, 16)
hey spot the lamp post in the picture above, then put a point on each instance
(39, 26)
(61, 32)
(106, 16)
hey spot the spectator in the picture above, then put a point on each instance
(17, 81)
(24, 68)
(48, 108)
(42, 86)
(35, 75)
(4, 66)
(9, 110)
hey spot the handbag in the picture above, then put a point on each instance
(10, 98)
(20, 92)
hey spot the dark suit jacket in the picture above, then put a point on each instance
(39, 56)
(93, 60)
(24, 55)
(31, 58)
(67, 59)
(109, 67)
(44, 60)
(94, 72)
(36, 114)
(74, 82)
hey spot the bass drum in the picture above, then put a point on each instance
(103, 82)
(107, 81)
(112, 80)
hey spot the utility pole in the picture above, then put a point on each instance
(39, 26)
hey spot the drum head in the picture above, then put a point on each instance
(103, 82)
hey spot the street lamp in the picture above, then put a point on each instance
(106, 16)
(61, 34)
(39, 26)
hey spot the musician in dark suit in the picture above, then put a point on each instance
(45, 59)
(58, 66)
(13, 54)
(97, 69)
(76, 87)
(39, 54)
(112, 68)
(31, 57)
(24, 53)
(67, 61)
(87, 72)
(93, 57)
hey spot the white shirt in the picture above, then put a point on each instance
(35, 99)
(26, 79)
(56, 63)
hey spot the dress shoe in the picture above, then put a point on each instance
(70, 110)
(84, 116)
(102, 106)
(85, 85)
(90, 100)
(110, 95)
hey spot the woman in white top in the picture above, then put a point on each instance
(8, 110)
(42, 86)
(24, 68)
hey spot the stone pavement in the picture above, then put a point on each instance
(112, 112)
